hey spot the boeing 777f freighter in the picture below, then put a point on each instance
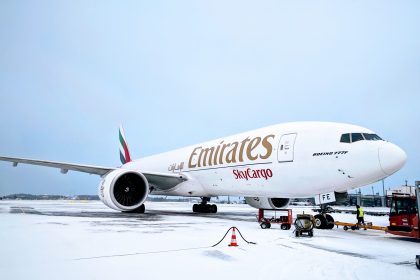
(267, 166)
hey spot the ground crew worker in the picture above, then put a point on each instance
(360, 215)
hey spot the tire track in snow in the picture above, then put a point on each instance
(341, 252)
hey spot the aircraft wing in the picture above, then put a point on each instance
(160, 181)
(98, 170)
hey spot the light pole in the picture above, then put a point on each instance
(373, 197)
(383, 187)
(383, 192)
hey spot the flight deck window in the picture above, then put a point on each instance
(371, 137)
(356, 137)
(345, 138)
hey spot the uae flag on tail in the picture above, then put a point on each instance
(124, 153)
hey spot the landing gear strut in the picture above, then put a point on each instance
(324, 220)
(203, 207)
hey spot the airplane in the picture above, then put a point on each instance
(267, 166)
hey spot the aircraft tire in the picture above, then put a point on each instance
(204, 208)
(320, 221)
(330, 221)
(139, 210)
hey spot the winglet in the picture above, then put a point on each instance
(124, 153)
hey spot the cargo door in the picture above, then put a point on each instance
(285, 151)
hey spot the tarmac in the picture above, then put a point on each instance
(86, 240)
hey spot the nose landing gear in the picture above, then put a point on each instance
(203, 207)
(324, 220)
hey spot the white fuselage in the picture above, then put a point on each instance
(288, 160)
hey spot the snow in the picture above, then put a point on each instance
(86, 240)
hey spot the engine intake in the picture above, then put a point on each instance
(129, 189)
(266, 202)
(124, 190)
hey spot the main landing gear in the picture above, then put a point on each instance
(203, 207)
(140, 210)
(324, 220)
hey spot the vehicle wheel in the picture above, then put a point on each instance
(263, 225)
(269, 225)
(195, 208)
(213, 208)
(320, 221)
(330, 221)
(284, 227)
(346, 228)
(353, 227)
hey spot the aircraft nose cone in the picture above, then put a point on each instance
(391, 158)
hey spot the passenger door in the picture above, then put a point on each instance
(285, 151)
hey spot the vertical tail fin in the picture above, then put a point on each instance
(124, 153)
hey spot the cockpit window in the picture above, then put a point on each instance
(370, 136)
(345, 138)
(356, 137)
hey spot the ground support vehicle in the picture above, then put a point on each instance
(354, 226)
(405, 214)
(304, 223)
(285, 222)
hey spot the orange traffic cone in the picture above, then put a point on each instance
(233, 240)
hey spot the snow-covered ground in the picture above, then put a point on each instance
(86, 240)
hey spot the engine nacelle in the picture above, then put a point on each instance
(266, 202)
(123, 190)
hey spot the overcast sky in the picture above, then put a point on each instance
(179, 72)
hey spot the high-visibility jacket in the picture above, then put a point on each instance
(361, 213)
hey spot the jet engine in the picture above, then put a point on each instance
(266, 202)
(124, 190)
